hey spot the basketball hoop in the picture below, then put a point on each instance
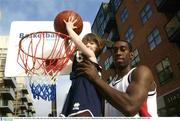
(43, 55)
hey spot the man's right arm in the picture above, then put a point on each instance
(128, 102)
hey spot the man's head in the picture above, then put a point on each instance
(122, 53)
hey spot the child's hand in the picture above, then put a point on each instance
(70, 23)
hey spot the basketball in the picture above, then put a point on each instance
(60, 26)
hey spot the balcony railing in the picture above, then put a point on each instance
(6, 106)
(10, 82)
(173, 28)
(24, 98)
(22, 114)
(8, 93)
(23, 106)
(24, 89)
(30, 104)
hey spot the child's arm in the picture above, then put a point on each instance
(77, 40)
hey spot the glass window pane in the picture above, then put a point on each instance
(156, 32)
(149, 14)
(135, 53)
(137, 59)
(142, 14)
(131, 36)
(145, 13)
(124, 15)
(147, 7)
(150, 38)
(158, 40)
(164, 71)
(159, 67)
(161, 77)
(166, 63)
(144, 19)
(152, 45)
(133, 63)
(104, 49)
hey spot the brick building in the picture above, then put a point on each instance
(153, 28)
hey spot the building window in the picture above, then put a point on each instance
(154, 38)
(124, 15)
(100, 23)
(108, 62)
(164, 71)
(2, 62)
(98, 58)
(158, 2)
(104, 49)
(100, 17)
(129, 35)
(117, 3)
(110, 35)
(1, 74)
(145, 13)
(136, 59)
(100, 31)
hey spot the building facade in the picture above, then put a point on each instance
(13, 95)
(7, 85)
(153, 28)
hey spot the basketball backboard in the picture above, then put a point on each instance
(21, 28)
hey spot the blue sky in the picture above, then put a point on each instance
(43, 10)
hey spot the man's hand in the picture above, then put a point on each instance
(88, 69)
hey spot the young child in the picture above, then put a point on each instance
(83, 98)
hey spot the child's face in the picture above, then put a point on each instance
(91, 45)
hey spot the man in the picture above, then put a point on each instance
(132, 92)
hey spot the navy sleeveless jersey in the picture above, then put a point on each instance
(82, 96)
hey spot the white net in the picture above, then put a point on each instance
(43, 55)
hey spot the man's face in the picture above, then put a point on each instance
(121, 54)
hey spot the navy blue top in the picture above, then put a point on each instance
(82, 96)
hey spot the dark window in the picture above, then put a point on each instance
(145, 13)
(135, 60)
(154, 38)
(124, 15)
(164, 71)
(117, 3)
(129, 35)
(108, 62)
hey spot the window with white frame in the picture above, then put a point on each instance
(108, 62)
(146, 13)
(104, 49)
(110, 35)
(117, 3)
(136, 59)
(124, 15)
(164, 71)
(154, 38)
(129, 35)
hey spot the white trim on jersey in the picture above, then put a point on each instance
(79, 112)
